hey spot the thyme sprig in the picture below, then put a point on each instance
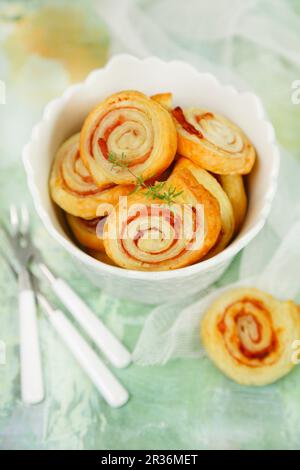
(153, 191)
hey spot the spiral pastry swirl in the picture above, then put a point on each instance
(85, 231)
(233, 186)
(211, 184)
(212, 141)
(136, 130)
(248, 334)
(73, 188)
(165, 99)
(149, 235)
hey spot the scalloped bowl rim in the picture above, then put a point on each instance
(226, 255)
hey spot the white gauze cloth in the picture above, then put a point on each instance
(172, 330)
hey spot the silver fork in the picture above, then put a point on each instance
(107, 384)
(101, 336)
(32, 389)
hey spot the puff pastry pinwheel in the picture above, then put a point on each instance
(212, 141)
(233, 186)
(146, 234)
(165, 99)
(85, 231)
(144, 148)
(73, 188)
(248, 334)
(132, 128)
(211, 184)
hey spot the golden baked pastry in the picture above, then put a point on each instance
(127, 147)
(133, 129)
(73, 188)
(165, 99)
(101, 256)
(233, 186)
(213, 142)
(211, 184)
(150, 235)
(248, 334)
(85, 231)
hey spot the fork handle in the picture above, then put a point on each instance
(109, 344)
(32, 389)
(107, 384)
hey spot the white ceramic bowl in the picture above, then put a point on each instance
(64, 116)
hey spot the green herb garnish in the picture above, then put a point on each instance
(153, 191)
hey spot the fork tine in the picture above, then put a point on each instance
(14, 219)
(25, 219)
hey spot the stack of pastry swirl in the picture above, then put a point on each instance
(137, 171)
